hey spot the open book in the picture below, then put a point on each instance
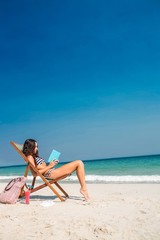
(54, 156)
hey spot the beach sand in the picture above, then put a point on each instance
(116, 212)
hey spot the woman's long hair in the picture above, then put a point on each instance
(28, 147)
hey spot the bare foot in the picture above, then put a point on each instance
(85, 194)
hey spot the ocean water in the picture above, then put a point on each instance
(143, 169)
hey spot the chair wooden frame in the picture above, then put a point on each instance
(35, 173)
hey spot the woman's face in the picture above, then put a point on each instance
(36, 148)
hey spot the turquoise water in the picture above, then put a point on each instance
(128, 169)
(146, 165)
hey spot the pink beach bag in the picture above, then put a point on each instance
(12, 190)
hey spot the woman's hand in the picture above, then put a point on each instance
(53, 163)
(56, 161)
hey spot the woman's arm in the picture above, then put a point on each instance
(42, 168)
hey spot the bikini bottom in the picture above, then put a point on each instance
(47, 174)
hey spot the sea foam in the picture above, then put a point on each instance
(104, 179)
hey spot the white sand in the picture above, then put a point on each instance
(117, 211)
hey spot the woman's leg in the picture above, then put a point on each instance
(69, 168)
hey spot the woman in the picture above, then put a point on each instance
(30, 149)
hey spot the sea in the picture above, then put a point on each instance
(138, 169)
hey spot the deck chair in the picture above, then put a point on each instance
(35, 172)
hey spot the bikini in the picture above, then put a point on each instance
(39, 161)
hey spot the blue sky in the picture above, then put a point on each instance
(82, 77)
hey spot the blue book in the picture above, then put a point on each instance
(54, 156)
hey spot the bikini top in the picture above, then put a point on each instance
(39, 160)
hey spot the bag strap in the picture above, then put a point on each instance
(11, 183)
